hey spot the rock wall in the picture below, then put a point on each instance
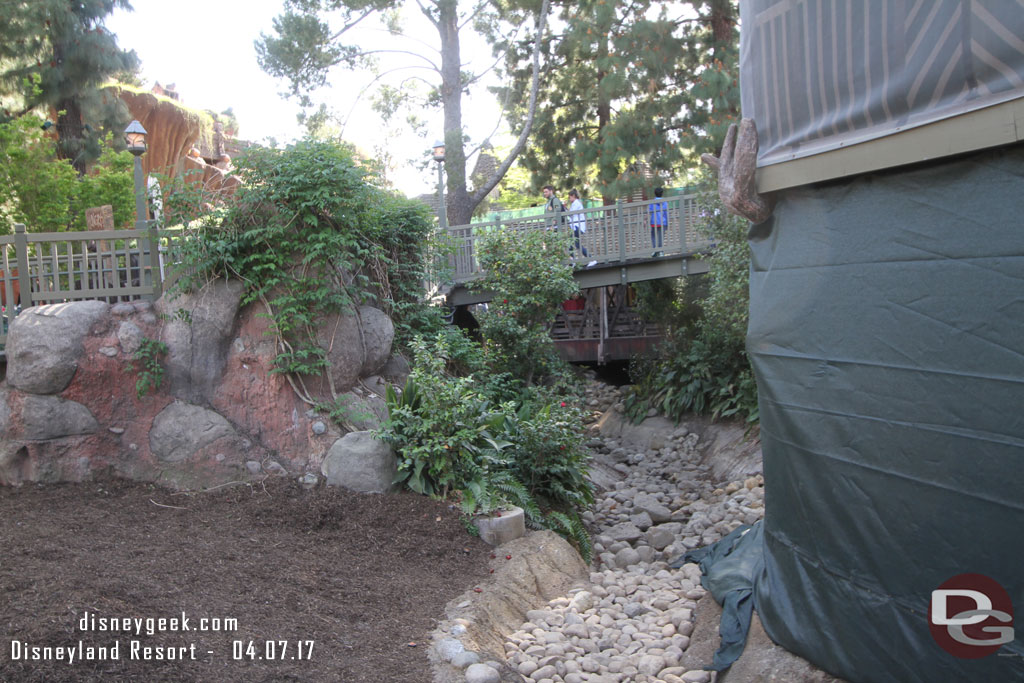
(69, 408)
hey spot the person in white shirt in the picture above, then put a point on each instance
(578, 222)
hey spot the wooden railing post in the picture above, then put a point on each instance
(621, 223)
(154, 259)
(21, 250)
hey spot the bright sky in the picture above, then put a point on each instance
(205, 47)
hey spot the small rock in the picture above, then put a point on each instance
(696, 676)
(464, 659)
(319, 427)
(275, 468)
(115, 430)
(482, 673)
(309, 480)
(108, 351)
(449, 648)
(253, 466)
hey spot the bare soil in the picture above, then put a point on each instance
(360, 577)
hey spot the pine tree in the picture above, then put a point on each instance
(57, 53)
(623, 85)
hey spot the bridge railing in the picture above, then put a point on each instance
(112, 265)
(610, 234)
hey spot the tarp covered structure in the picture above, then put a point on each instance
(820, 74)
(887, 334)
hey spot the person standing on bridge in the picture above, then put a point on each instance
(554, 204)
(578, 222)
(658, 212)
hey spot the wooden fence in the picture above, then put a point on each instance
(110, 265)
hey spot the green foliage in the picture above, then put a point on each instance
(35, 188)
(487, 439)
(310, 234)
(147, 366)
(57, 54)
(706, 369)
(529, 276)
(46, 193)
(109, 181)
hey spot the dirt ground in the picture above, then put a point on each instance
(325, 585)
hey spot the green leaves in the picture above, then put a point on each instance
(147, 366)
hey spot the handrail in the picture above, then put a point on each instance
(614, 234)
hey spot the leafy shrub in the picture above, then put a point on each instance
(488, 439)
(527, 273)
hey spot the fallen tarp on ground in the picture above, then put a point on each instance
(887, 335)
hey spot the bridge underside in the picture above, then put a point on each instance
(605, 274)
(602, 324)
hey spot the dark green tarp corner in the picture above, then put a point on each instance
(887, 336)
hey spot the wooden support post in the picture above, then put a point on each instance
(21, 249)
(102, 218)
(154, 260)
(621, 222)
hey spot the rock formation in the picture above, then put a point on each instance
(69, 408)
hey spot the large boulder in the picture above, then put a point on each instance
(45, 342)
(49, 417)
(357, 344)
(198, 334)
(359, 462)
(180, 430)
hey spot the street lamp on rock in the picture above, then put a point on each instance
(442, 214)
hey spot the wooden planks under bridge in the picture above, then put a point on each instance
(603, 323)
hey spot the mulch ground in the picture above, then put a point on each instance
(325, 585)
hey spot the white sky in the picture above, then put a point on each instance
(205, 47)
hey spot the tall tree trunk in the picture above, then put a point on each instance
(458, 205)
(604, 105)
(69, 124)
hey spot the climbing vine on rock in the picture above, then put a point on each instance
(310, 233)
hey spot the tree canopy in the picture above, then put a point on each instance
(57, 54)
(626, 82)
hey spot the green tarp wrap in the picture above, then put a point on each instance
(887, 336)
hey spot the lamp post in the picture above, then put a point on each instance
(442, 214)
(135, 139)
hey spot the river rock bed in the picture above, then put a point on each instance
(633, 620)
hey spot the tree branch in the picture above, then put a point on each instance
(472, 15)
(349, 25)
(428, 15)
(500, 172)
(433, 66)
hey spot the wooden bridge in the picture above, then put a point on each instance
(603, 324)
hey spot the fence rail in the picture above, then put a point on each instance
(609, 234)
(111, 265)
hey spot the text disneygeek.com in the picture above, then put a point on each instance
(135, 649)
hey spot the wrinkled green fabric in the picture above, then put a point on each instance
(729, 568)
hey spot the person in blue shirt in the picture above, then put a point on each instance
(658, 212)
